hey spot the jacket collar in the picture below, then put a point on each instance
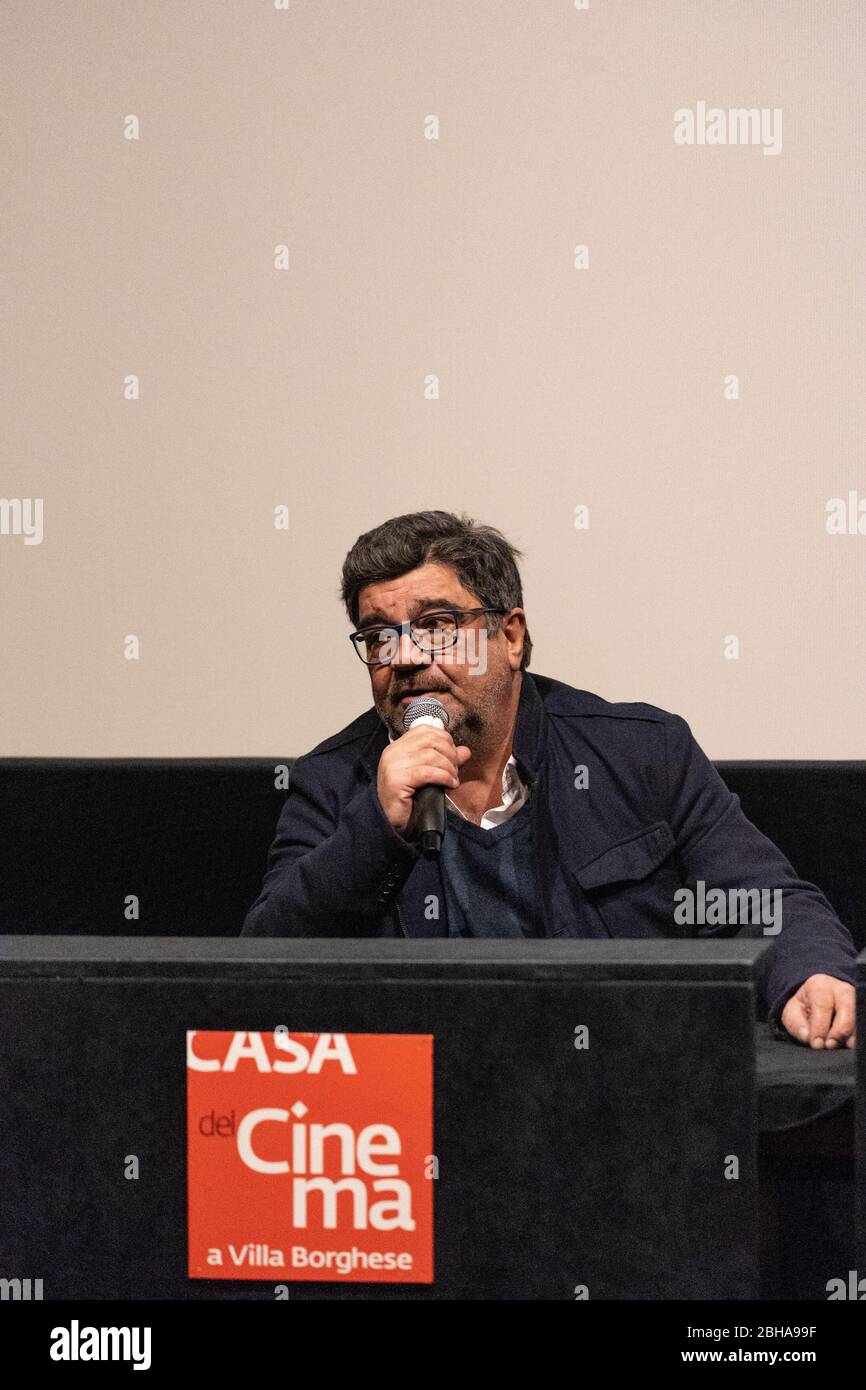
(528, 744)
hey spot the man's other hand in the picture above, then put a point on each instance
(822, 1013)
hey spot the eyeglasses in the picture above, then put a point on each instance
(432, 633)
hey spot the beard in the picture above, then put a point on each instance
(478, 725)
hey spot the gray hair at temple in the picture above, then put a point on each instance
(483, 560)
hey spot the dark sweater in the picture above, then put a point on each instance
(489, 877)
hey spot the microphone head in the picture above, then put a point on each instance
(426, 708)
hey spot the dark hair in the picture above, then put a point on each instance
(484, 561)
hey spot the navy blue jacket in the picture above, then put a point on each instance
(655, 816)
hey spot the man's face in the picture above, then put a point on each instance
(473, 679)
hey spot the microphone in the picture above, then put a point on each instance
(428, 805)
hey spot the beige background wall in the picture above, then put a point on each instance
(307, 126)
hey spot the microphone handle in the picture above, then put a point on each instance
(428, 818)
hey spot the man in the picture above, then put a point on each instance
(566, 815)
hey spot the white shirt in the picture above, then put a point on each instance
(514, 794)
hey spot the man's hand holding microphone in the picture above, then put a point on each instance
(417, 769)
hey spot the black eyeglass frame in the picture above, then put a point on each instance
(404, 629)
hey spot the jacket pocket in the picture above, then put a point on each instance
(632, 883)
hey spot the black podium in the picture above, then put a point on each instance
(594, 1113)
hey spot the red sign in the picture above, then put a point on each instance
(310, 1156)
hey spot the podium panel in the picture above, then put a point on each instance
(594, 1122)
